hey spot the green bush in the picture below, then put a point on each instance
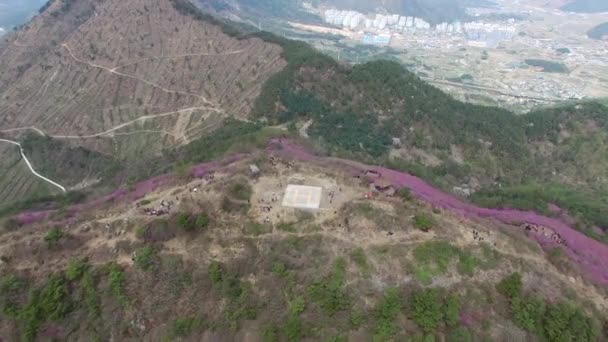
(424, 222)
(467, 264)
(433, 258)
(88, 294)
(452, 310)
(190, 223)
(405, 194)
(296, 306)
(460, 334)
(357, 318)
(240, 191)
(147, 258)
(216, 273)
(553, 322)
(294, 329)
(269, 334)
(11, 287)
(49, 303)
(387, 311)
(184, 327)
(330, 293)
(359, 257)
(53, 236)
(202, 221)
(510, 286)
(116, 282)
(426, 310)
(75, 269)
(279, 269)
(186, 221)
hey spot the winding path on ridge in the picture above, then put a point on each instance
(29, 165)
(113, 71)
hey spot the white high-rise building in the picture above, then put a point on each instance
(402, 22)
(392, 20)
(409, 22)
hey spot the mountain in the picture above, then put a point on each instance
(598, 32)
(124, 81)
(586, 6)
(180, 137)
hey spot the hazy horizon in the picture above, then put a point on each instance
(17, 12)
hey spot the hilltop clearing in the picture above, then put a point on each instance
(214, 255)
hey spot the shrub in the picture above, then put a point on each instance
(75, 269)
(460, 334)
(144, 202)
(510, 286)
(452, 310)
(202, 221)
(528, 313)
(296, 306)
(386, 313)
(269, 334)
(467, 264)
(53, 236)
(279, 269)
(216, 273)
(426, 309)
(330, 293)
(359, 257)
(184, 327)
(424, 222)
(11, 287)
(240, 191)
(405, 194)
(186, 221)
(294, 329)
(51, 302)
(146, 258)
(116, 282)
(433, 258)
(357, 318)
(88, 294)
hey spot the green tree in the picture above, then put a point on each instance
(424, 222)
(75, 269)
(452, 310)
(53, 236)
(146, 258)
(426, 310)
(510, 286)
(387, 311)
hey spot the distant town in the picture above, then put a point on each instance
(512, 54)
(379, 29)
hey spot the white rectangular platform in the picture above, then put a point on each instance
(302, 197)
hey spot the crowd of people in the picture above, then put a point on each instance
(546, 232)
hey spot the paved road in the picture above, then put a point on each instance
(29, 165)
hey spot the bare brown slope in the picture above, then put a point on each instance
(124, 78)
(101, 64)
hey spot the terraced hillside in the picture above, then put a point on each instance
(127, 79)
